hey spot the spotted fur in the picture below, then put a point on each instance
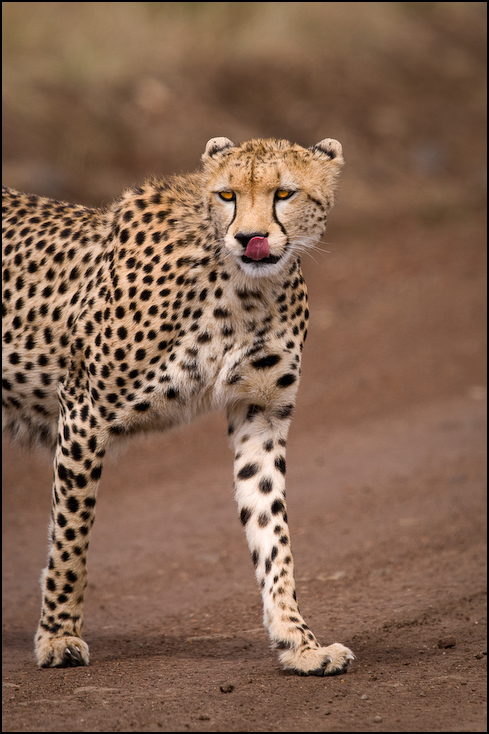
(143, 315)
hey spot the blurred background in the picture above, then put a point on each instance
(97, 96)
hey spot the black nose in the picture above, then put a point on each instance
(245, 238)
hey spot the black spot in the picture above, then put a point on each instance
(221, 313)
(277, 506)
(266, 485)
(50, 584)
(252, 411)
(285, 412)
(280, 464)
(72, 504)
(266, 362)
(62, 472)
(286, 380)
(248, 471)
(244, 515)
(76, 451)
(95, 474)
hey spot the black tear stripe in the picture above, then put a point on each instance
(277, 220)
(235, 212)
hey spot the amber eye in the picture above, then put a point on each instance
(283, 194)
(227, 195)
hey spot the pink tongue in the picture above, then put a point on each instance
(257, 248)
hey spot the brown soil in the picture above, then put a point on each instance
(386, 478)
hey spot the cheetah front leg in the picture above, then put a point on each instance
(77, 470)
(259, 439)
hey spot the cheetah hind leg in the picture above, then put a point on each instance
(60, 652)
(332, 660)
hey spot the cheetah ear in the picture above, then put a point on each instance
(330, 148)
(215, 146)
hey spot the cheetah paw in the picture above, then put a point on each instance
(332, 660)
(61, 652)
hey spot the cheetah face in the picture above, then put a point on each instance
(269, 199)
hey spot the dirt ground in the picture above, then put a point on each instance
(386, 497)
(386, 459)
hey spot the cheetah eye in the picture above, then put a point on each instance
(283, 194)
(226, 195)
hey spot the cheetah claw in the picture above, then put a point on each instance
(63, 652)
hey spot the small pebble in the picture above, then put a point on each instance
(227, 688)
(445, 642)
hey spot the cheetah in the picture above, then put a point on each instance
(184, 295)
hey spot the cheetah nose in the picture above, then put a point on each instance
(256, 246)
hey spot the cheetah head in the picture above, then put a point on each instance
(269, 199)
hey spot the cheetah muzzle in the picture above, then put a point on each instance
(185, 295)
